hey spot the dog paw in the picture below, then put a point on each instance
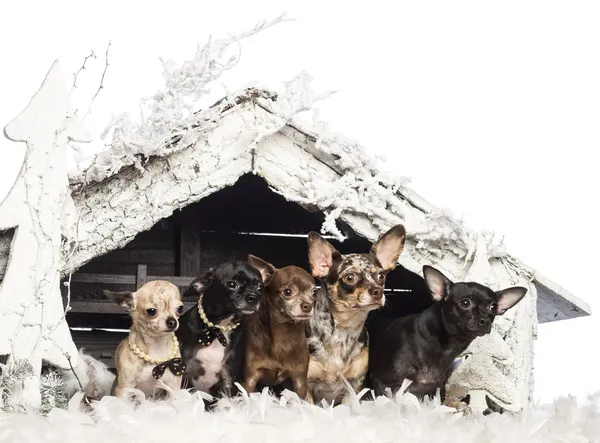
(464, 408)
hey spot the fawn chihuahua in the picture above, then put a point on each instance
(151, 351)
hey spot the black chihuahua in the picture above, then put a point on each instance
(423, 347)
(209, 333)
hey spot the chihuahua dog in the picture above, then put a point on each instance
(276, 347)
(423, 347)
(352, 286)
(210, 333)
(151, 351)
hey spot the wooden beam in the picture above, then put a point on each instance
(190, 244)
(105, 307)
(128, 279)
(98, 343)
(182, 282)
(104, 278)
(141, 276)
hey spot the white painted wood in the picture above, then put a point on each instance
(32, 323)
(113, 212)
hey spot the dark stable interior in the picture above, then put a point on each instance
(247, 218)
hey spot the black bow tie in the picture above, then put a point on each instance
(208, 335)
(176, 365)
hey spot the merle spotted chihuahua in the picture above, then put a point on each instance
(351, 286)
(209, 333)
(423, 347)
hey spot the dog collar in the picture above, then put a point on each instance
(208, 336)
(144, 356)
(175, 365)
(208, 323)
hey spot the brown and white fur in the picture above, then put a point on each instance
(352, 286)
(276, 346)
(154, 309)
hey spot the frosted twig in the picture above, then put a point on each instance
(101, 85)
(170, 119)
(82, 68)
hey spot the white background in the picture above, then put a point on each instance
(492, 107)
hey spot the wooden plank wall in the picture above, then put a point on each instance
(230, 224)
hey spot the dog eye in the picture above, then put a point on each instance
(465, 303)
(180, 309)
(151, 312)
(381, 277)
(314, 293)
(261, 287)
(231, 284)
(287, 292)
(494, 308)
(350, 278)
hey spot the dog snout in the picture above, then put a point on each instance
(376, 293)
(484, 322)
(251, 298)
(171, 323)
(306, 307)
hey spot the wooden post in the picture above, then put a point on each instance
(189, 249)
(140, 277)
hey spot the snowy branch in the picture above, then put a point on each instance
(101, 85)
(82, 68)
(172, 113)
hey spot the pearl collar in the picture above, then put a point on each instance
(157, 361)
(208, 323)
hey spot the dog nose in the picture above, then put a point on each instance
(171, 323)
(251, 298)
(484, 321)
(306, 307)
(376, 293)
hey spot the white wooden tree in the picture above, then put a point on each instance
(480, 377)
(39, 206)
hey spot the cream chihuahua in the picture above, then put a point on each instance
(151, 351)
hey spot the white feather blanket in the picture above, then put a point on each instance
(263, 418)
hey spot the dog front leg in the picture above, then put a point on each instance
(251, 380)
(300, 386)
(309, 396)
(124, 381)
(357, 385)
(227, 388)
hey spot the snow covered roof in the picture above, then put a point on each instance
(130, 187)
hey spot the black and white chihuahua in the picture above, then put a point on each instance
(209, 333)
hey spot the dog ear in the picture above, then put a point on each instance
(437, 283)
(266, 269)
(320, 255)
(200, 284)
(509, 297)
(389, 247)
(124, 299)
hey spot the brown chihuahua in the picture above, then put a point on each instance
(352, 286)
(276, 346)
(151, 351)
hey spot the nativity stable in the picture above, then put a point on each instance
(249, 178)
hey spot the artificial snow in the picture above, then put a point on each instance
(263, 418)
